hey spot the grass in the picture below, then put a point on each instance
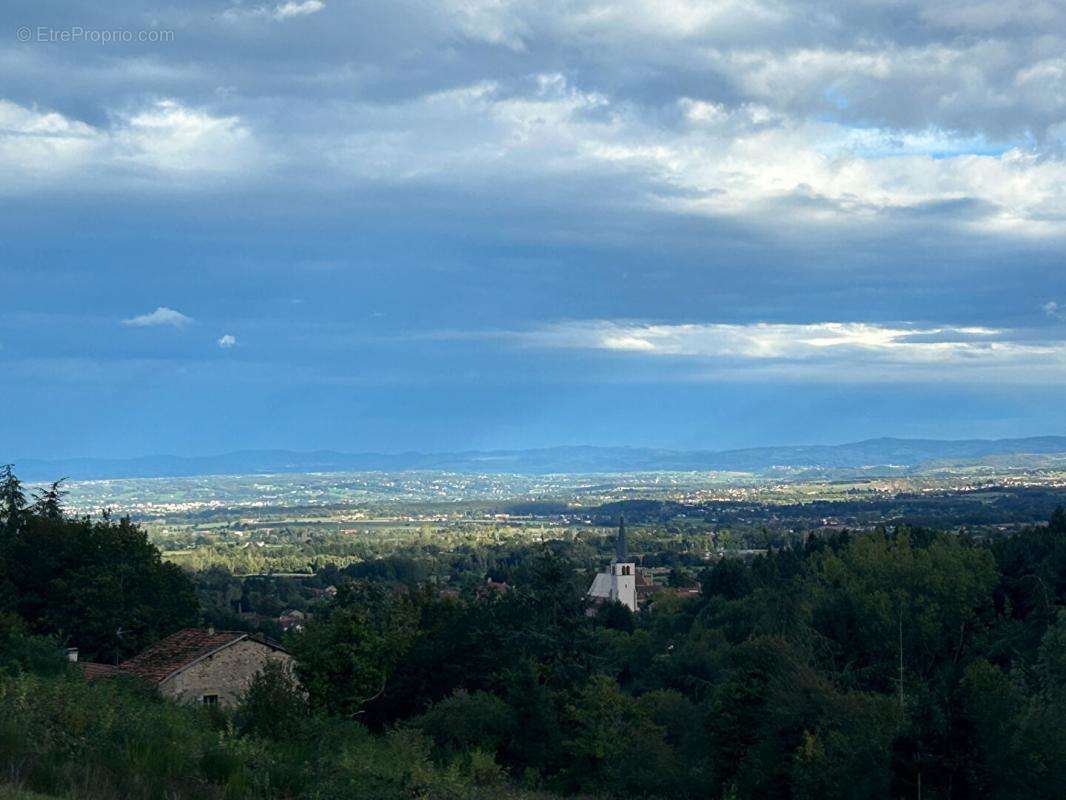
(12, 793)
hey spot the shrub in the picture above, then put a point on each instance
(467, 720)
(273, 707)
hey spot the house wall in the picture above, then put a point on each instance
(226, 673)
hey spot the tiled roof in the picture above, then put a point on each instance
(178, 650)
(92, 670)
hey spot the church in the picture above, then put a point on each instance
(619, 583)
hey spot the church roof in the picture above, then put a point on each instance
(601, 585)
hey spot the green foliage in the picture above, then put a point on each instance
(346, 658)
(13, 793)
(882, 589)
(274, 706)
(991, 701)
(62, 735)
(12, 501)
(852, 669)
(97, 585)
(728, 578)
(1040, 746)
(477, 721)
(48, 502)
(615, 747)
(110, 740)
(616, 616)
(858, 665)
(22, 652)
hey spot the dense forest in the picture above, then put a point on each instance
(902, 662)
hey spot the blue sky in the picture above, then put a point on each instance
(506, 223)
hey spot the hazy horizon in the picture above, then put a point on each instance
(569, 445)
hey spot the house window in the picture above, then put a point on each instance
(209, 699)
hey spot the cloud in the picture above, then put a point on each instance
(818, 113)
(161, 316)
(278, 13)
(738, 106)
(165, 138)
(170, 137)
(44, 142)
(1054, 310)
(294, 9)
(227, 341)
(824, 350)
(744, 162)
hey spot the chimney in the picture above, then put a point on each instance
(72, 654)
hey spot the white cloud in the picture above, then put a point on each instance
(45, 148)
(737, 161)
(720, 109)
(832, 350)
(170, 137)
(1054, 310)
(292, 9)
(44, 143)
(279, 12)
(161, 316)
(493, 21)
(227, 341)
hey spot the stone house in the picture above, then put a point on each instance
(201, 666)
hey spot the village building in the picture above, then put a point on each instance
(200, 665)
(292, 620)
(619, 582)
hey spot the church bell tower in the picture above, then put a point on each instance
(623, 571)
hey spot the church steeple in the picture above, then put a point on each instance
(618, 582)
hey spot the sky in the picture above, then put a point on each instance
(479, 224)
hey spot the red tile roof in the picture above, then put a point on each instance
(178, 650)
(92, 670)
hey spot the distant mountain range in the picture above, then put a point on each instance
(891, 455)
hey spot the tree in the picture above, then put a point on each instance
(535, 743)
(880, 592)
(616, 616)
(779, 728)
(12, 500)
(1032, 576)
(98, 585)
(990, 705)
(347, 654)
(729, 578)
(274, 706)
(1040, 745)
(48, 502)
(615, 747)
(468, 721)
